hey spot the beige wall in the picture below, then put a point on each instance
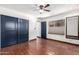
(0, 31)
(58, 17)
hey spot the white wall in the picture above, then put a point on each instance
(38, 29)
(32, 20)
(35, 29)
(58, 17)
(0, 31)
(32, 28)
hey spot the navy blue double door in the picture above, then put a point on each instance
(13, 30)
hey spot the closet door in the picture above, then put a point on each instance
(23, 29)
(3, 37)
(72, 27)
(9, 30)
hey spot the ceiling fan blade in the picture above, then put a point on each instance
(47, 5)
(46, 10)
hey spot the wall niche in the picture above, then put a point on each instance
(56, 27)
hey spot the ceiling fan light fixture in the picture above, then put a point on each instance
(41, 11)
(43, 7)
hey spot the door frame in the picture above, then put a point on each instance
(69, 36)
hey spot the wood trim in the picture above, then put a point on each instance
(62, 41)
(70, 36)
(38, 37)
(72, 16)
(32, 40)
(55, 33)
(66, 27)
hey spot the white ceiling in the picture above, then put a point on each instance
(32, 9)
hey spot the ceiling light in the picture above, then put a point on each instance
(41, 11)
(42, 7)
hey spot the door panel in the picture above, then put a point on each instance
(3, 39)
(43, 29)
(9, 30)
(23, 27)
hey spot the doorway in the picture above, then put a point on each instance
(43, 29)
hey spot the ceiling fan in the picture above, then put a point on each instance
(43, 7)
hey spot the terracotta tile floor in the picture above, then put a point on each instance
(41, 47)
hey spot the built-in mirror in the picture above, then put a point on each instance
(72, 27)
